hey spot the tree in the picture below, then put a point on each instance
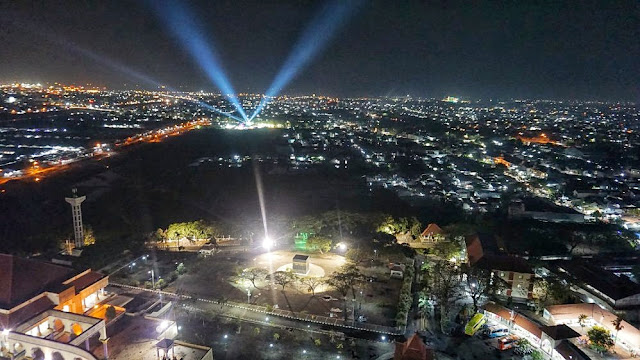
(617, 324)
(276, 336)
(550, 291)
(110, 313)
(524, 345)
(537, 355)
(284, 278)
(600, 339)
(415, 227)
(190, 230)
(158, 235)
(181, 269)
(358, 255)
(344, 280)
(254, 273)
(582, 320)
(89, 236)
(479, 283)
(442, 282)
(447, 250)
(319, 243)
(312, 283)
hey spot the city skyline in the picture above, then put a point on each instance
(495, 50)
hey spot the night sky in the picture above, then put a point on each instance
(476, 49)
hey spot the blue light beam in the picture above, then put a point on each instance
(119, 67)
(182, 24)
(313, 40)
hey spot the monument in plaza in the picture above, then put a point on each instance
(300, 264)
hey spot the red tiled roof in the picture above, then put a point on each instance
(517, 318)
(86, 280)
(21, 279)
(432, 229)
(412, 349)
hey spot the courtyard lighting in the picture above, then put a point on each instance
(266, 319)
(5, 332)
(271, 345)
(304, 351)
(226, 336)
(267, 243)
(342, 246)
(384, 338)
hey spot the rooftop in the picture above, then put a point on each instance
(21, 279)
(615, 287)
(559, 332)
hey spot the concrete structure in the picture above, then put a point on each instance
(42, 310)
(76, 212)
(300, 264)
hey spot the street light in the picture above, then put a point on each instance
(342, 246)
(153, 281)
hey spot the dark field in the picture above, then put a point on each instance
(152, 185)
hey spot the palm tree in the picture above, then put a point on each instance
(582, 320)
(617, 324)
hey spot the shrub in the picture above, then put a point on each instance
(161, 284)
(110, 312)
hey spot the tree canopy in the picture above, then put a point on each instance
(190, 230)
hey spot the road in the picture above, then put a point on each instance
(208, 307)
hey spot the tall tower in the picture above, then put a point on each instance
(76, 212)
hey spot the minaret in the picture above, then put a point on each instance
(76, 211)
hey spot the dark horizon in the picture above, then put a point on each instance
(430, 49)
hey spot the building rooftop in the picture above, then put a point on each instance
(432, 229)
(517, 318)
(615, 287)
(559, 332)
(505, 263)
(21, 279)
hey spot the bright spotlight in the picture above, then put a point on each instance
(342, 246)
(267, 243)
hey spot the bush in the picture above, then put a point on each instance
(161, 284)
(405, 300)
(110, 313)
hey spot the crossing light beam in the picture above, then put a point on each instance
(311, 42)
(182, 24)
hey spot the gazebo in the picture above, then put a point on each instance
(165, 345)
